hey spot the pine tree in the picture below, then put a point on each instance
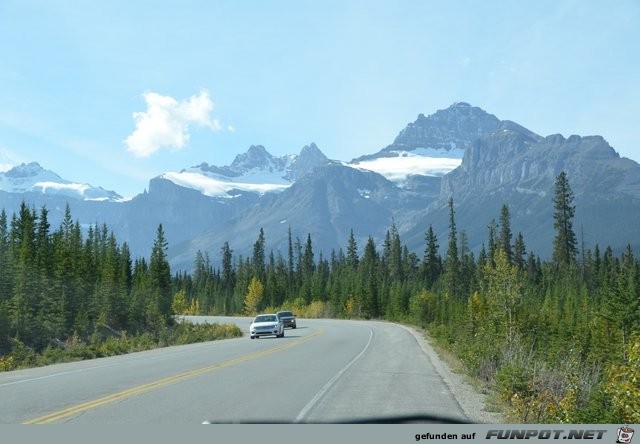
(352, 252)
(369, 280)
(432, 264)
(393, 256)
(159, 310)
(23, 305)
(519, 251)
(505, 232)
(565, 243)
(228, 277)
(622, 304)
(308, 267)
(452, 262)
(492, 243)
(290, 262)
(258, 259)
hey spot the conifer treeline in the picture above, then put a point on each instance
(55, 284)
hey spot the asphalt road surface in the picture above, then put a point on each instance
(323, 371)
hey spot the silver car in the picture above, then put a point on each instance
(266, 325)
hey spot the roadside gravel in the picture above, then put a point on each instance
(473, 403)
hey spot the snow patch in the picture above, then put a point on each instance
(364, 193)
(422, 161)
(214, 187)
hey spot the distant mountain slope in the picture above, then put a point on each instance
(31, 177)
(327, 204)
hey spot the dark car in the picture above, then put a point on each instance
(288, 318)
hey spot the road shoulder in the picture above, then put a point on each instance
(473, 404)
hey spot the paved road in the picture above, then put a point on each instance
(323, 371)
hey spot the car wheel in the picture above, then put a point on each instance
(294, 326)
(253, 337)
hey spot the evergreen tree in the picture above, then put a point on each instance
(308, 267)
(622, 304)
(393, 256)
(320, 279)
(352, 251)
(290, 263)
(23, 305)
(258, 261)
(519, 251)
(452, 262)
(432, 264)
(369, 281)
(159, 310)
(505, 232)
(492, 243)
(228, 278)
(565, 243)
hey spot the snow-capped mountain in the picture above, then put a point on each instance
(432, 146)
(255, 171)
(31, 177)
(460, 152)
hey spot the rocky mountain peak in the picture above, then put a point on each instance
(455, 127)
(450, 130)
(25, 170)
(255, 157)
(31, 177)
(311, 154)
(310, 158)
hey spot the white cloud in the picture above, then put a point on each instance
(166, 122)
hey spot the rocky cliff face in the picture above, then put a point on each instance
(455, 127)
(516, 167)
(516, 161)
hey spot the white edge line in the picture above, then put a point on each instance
(305, 410)
(22, 381)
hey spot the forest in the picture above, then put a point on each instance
(556, 340)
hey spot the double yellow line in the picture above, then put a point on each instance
(55, 416)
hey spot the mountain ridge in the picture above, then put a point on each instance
(31, 177)
(461, 152)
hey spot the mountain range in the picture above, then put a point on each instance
(462, 152)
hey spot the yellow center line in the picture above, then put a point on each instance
(55, 416)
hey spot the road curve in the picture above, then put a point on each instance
(323, 371)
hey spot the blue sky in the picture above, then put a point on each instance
(116, 92)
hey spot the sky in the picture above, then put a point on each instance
(115, 93)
